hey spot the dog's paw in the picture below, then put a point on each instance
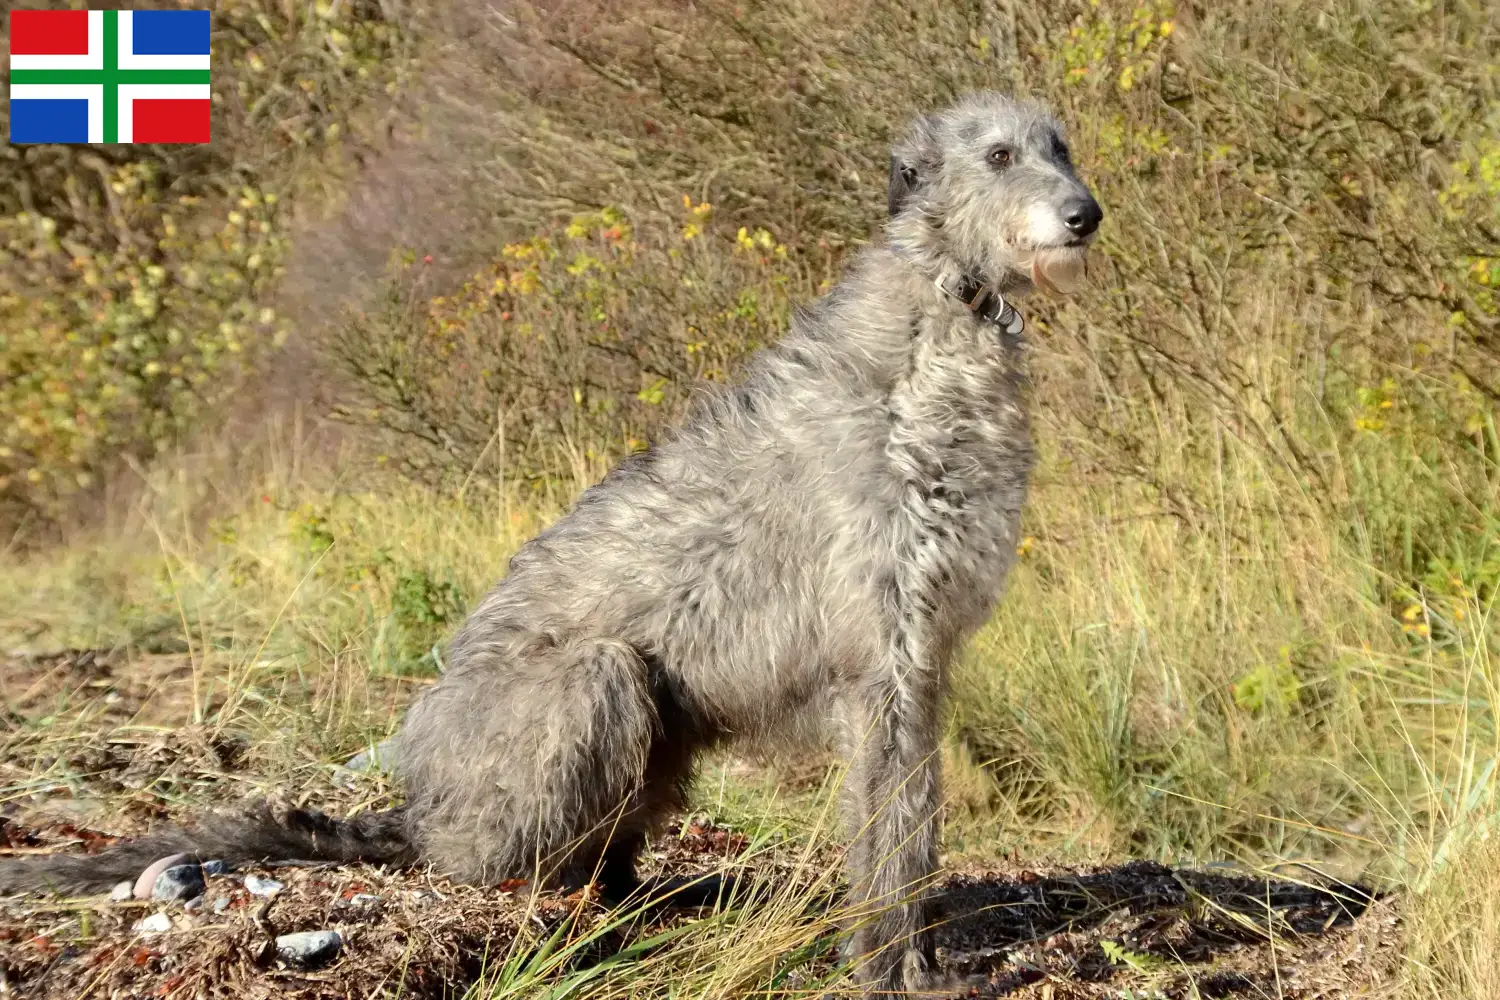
(918, 977)
(955, 987)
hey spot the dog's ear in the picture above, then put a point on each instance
(903, 182)
(914, 158)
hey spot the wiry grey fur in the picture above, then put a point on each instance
(814, 542)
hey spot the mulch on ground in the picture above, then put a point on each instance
(1047, 932)
(1157, 931)
(1060, 933)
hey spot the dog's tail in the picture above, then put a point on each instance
(259, 833)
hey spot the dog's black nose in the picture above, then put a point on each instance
(1082, 216)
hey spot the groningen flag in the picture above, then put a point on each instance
(109, 76)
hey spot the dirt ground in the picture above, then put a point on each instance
(1135, 930)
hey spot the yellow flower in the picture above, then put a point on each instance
(581, 264)
(1024, 549)
(691, 230)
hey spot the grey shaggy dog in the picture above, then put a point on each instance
(812, 546)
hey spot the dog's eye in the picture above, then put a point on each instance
(999, 156)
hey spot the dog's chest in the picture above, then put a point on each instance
(960, 443)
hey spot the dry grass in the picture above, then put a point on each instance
(1457, 922)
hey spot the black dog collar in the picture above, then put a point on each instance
(983, 301)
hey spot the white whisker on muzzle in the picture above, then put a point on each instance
(1045, 227)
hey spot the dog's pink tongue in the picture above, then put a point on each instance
(1060, 273)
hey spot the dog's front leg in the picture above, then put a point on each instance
(893, 791)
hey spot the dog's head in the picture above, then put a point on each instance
(989, 184)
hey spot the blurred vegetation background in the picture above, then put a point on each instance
(300, 391)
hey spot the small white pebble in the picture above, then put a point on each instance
(122, 891)
(258, 886)
(221, 904)
(157, 923)
(379, 759)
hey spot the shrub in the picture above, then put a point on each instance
(422, 609)
(1293, 258)
(121, 347)
(590, 335)
(134, 279)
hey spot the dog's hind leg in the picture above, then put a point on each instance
(531, 762)
(620, 882)
(668, 770)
